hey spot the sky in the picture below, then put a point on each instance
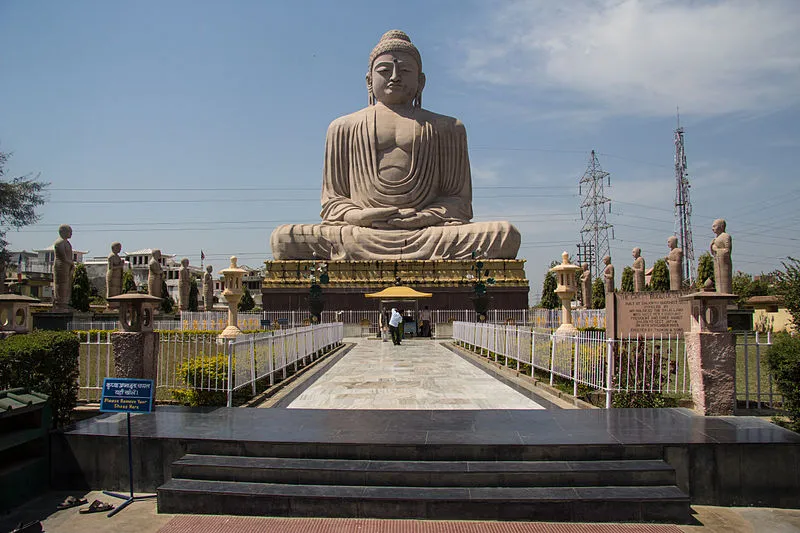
(200, 125)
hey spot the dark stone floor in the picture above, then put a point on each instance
(415, 427)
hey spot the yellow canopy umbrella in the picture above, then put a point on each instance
(399, 292)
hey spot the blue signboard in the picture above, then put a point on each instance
(121, 395)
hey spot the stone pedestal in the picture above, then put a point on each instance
(52, 320)
(135, 354)
(566, 290)
(711, 353)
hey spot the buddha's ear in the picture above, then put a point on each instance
(421, 82)
(370, 95)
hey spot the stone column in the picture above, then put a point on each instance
(136, 347)
(711, 352)
(566, 290)
(136, 354)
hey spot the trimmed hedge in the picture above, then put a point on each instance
(46, 362)
(783, 359)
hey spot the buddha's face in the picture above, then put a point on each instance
(395, 78)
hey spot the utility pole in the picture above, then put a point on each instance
(594, 233)
(683, 206)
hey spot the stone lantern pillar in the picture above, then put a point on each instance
(136, 347)
(15, 313)
(566, 277)
(711, 353)
(233, 294)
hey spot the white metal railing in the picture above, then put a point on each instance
(641, 364)
(754, 385)
(95, 362)
(581, 318)
(263, 355)
(218, 320)
(198, 362)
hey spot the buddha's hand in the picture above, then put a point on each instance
(417, 220)
(369, 215)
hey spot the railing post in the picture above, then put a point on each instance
(552, 356)
(229, 349)
(253, 363)
(575, 369)
(609, 370)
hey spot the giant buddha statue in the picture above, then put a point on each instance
(397, 180)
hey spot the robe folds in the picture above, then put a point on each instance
(438, 183)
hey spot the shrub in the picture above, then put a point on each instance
(659, 279)
(128, 283)
(705, 269)
(626, 283)
(783, 359)
(247, 302)
(598, 294)
(81, 288)
(789, 288)
(549, 285)
(200, 374)
(46, 362)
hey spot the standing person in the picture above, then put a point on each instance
(395, 321)
(425, 320)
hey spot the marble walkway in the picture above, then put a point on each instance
(418, 374)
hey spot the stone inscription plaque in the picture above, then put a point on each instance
(651, 313)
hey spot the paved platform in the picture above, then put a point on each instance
(142, 517)
(417, 374)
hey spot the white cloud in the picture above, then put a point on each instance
(644, 57)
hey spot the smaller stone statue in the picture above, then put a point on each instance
(156, 276)
(208, 289)
(63, 267)
(675, 263)
(114, 271)
(638, 271)
(721, 252)
(184, 282)
(586, 286)
(608, 275)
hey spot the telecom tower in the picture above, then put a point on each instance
(594, 234)
(683, 207)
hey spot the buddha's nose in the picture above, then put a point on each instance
(395, 73)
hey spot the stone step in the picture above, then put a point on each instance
(585, 504)
(355, 448)
(424, 473)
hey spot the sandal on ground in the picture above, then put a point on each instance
(71, 501)
(97, 507)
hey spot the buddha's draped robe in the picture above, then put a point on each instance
(438, 182)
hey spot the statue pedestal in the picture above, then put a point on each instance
(712, 367)
(286, 284)
(711, 354)
(52, 320)
(135, 354)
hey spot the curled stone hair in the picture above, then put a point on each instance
(394, 41)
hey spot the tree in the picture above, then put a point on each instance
(626, 283)
(788, 287)
(705, 269)
(19, 199)
(549, 298)
(247, 302)
(81, 288)
(744, 286)
(598, 294)
(193, 295)
(128, 283)
(659, 278)
(167, 303)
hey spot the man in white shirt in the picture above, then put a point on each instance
(394, 322)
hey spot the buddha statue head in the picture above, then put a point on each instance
(395, 71)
